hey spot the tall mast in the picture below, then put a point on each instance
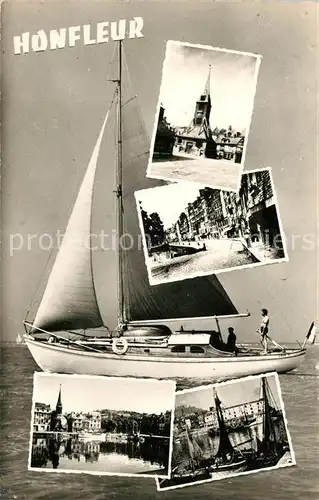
(121, 318)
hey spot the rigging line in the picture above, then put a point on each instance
(39, 284)
(112, 59)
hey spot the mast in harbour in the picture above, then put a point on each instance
(119, 193)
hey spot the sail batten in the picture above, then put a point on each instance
(69, 300)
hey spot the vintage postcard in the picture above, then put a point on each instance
(98, 284)
(229, 429)
(203, 115)
(99, 426)
(191, 230)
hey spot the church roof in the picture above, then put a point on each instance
(230, 141)
(193, 132)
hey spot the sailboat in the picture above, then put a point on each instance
(19, 339)
(268, 448)
(227, 459)
(192, 468)
(142, 345)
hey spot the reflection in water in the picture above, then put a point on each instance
(54, 450)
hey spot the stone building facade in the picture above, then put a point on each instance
(250, 214)
(41, 417)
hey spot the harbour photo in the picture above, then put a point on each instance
(97, 425)
(203, 117)
(228, 429)
(190, 230)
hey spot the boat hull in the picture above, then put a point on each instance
(57, 359)
(239, 466)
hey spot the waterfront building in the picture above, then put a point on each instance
(250, 214)
(89, 422)
(94, 421)
(239, 413)
(261, 209)
(77, 421)
(41, 417)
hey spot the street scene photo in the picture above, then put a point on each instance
(101, 425)
(203, 115)
(193, 231)
(228, 429)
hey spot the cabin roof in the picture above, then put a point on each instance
(189, 339)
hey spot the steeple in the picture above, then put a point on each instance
(207, 86)
(58, 407)
(203, 105)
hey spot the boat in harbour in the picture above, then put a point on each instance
(227, 458)
(270, 446)
(202, 463)
(64, 334)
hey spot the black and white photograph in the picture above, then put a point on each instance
(228, 429)
(98, 425)
(203, 115)
(131, 254)
(191, 230)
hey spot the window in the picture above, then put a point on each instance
(196, 349)
(178, 348)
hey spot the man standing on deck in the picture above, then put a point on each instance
(264, 329)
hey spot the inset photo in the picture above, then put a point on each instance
(101, 425)
(229, 429)
(190, 230)
(203, 115)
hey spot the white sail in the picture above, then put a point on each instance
(69, 300)
(19, 339)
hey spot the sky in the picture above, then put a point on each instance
(53, 106)
(81, 393)
(232, 85)
(232, 394)
(176, 196)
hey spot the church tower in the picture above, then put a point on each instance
(58, 407)
(203, 106)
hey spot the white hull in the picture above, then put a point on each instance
(56, 359)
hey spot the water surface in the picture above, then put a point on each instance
(300, 392)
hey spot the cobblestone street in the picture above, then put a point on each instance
(212, 173)
(219, 254)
